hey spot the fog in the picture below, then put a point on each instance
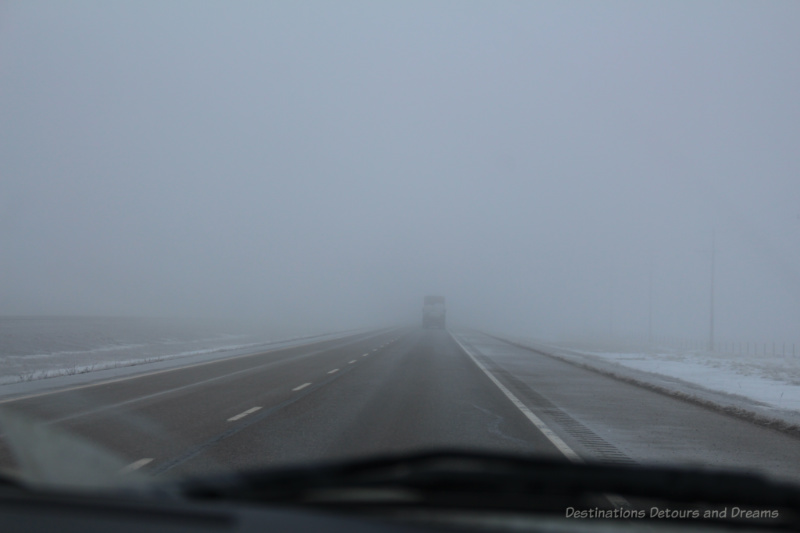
(554, 169)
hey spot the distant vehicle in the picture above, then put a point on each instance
(433, 312)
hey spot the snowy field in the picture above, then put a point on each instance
(35, 348)
(766, 387)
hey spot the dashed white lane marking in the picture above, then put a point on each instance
(375, 350)
(366, 354)
(242, 415)
(303, 386)
(136, 465)
(163, 371)
(335, 370)
(351, 362)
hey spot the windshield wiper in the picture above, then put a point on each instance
(486, 480)
(11, 480)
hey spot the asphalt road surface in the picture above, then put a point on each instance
(392, 391)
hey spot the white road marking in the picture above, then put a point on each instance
(242, 415)
(303, 386)
(540, 425)
(375, 350)
(535, 420)
(136, 465)
(351, 362)
(366, 354)
(333, 371)
(165, 370)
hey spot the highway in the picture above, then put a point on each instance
(395, 390)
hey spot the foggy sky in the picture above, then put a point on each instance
(330, 163)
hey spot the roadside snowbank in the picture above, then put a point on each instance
(88, 361)
(761, 388)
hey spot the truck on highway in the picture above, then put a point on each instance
(433, 312)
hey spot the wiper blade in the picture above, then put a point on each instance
(486, 478)
(11, 480)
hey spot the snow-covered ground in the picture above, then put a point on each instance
(39, 348)
(110, 369)
(73, 363)
(763, 387)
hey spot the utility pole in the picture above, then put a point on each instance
(711, 321)
(650, 307)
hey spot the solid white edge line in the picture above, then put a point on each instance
(540, 425)
(303, 386)
(535, 420)
(244, 414)
(333, 371)
(136, 465)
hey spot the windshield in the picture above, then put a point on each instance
(245, 235)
